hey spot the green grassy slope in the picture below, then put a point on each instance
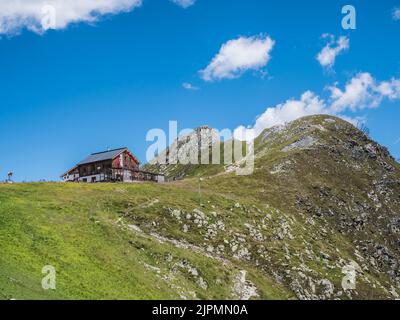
(323, 199)
(83, 231)
(343, 190)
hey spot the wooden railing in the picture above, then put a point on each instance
(119, 174)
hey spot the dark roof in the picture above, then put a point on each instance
(70, 170)
(102, 156)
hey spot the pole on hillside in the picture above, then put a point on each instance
(200, 180)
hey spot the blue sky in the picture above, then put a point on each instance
(84, 87)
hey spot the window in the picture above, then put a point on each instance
(84, 180)
(93, 179)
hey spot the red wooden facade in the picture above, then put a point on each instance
(118, 165)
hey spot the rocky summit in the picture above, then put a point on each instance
(338, 190)
(318, 219)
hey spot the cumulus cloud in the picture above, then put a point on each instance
(396, 14)
(308, 104)
(237, 56)
(333, 48)
(39, 15)
(362, 91)
(189, 86)
(184, 3)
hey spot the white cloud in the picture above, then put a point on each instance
(184, 3)
(189, 86)
(396, 14)
(390, 89)
(237, 56)
(327, 56)
(362, 91)
(309, 104)
(39, 15)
